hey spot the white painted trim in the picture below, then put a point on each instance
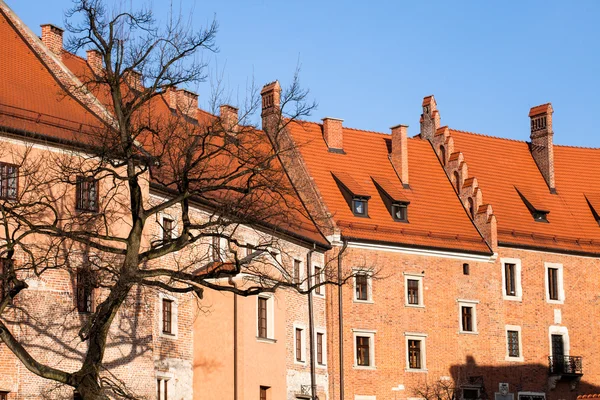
(473, 305)
(518, 271)
(371, 335)
(560, 277)
(518, 329)
(420, 252)
(270, 317)
(549, 252)
(369, 286)
(302, 344)
(415, 277)
(421, 337)
(174, 316)
(559, 330)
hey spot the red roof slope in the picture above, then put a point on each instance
(502, 165)
(436, 217)
(31, 98)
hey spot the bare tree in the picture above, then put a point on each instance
(437, 390)
(87, 212)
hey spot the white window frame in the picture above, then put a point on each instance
(270, 318)
(322, 276)
(416, 336)
(371, 335)
(560, 285)
(322, 331)
(415, 277)
(302, 344)
(467, 303)
(564, 332)
(517, 328)
(518, 271)
(369, 286)
(301, 275)
(175, 231)
(174, 316)
(163, 377)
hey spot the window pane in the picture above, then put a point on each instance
(553, 283)
(8, 181)
(467, 319)
(298, 344)
(320, 348)
(297, 265)
(362, 351)
(513, 343)
(359, 207)
(509, 276)
(167, 315)
(86, 194)
(318, 289)
(413, 291)
(167, 228)
(361, 287)
(262, 317)
(414, 354)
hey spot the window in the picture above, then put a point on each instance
(297, 269)
(513, 343)
(467, 316)
(84, 289)
(531, 396)
(265, 318)
(299, 344)
(264, 393)
(511, 279)
(8, 182)
(471, 204)
(399, 212)
(359, 207)
(415, 352)
(470, 394)
(554, 283)
(362, 287)
(167, 313)
(87, 194)
(320, 346)
(364, 349)
(162, 387)
(318, 280)
(456, 179)
(167, 228)
(466, 269)
(3, 395)
(414, 289)
(443, 155)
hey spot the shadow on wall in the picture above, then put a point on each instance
(563, 381)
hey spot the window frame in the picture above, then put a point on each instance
(518, 296)
(162, 382)
(473, 305)
(370, 334)
(80, 180)
(303, 358)
(323, 333)
(174, 316)
(414, 277)
(167, 234)
(559, 282)
(297, 271)
(365, 203)
(319, 275)
(270, 318)
(564, 332)
(264, 390)
(517, 329)
(369, 284)
(5, 176)
(403, 206)
(408, 336)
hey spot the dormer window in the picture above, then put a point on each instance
(393, 197)
(593, 201)
(538, 211)
(354, 194)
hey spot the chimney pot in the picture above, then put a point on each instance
(183, 100)
(541, 147)
(333, 134)
(229, 118)
(399, 155)
(133, 79)
(271, 108)
(52, 37)
(94, 59)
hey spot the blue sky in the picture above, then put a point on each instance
(371, 63)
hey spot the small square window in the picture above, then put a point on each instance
(362, 287)
(466, 269)
(359, 207)
(86, 194)
(399, 212)
(167, 229)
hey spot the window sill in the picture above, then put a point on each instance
(303, 363)
(363, 301)
(555, 301)
(513, 298)
(265, 340)
(322, 366)
(367, 367)
(514, 359)
(414, 305)
(320, 296)
(468, 332)
(421, 370)
(165, 335)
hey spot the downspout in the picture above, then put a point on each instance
(311, 326)
(235, 342)
(341, 319)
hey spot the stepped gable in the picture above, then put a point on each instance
(436, 219)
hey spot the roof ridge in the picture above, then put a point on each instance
(486, 135)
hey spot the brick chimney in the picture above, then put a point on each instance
(430, 119)
(183, 100)
(52, 37)
(399, 155)
(541, 142)
(229, 118)
(271, 108)
(333, 134)
(133, 79)
(94, 60)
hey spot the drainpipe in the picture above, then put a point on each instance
(341, 320)
(235, 342)
(311, 326)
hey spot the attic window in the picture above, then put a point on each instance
(393, 198)
(538, 211)
(355, 195)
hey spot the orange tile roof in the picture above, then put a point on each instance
(392, 190)
(31, 97)
(500, 165)
(436, 217)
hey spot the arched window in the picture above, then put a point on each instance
(443, 155)
(457, 181)
(471, 207)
